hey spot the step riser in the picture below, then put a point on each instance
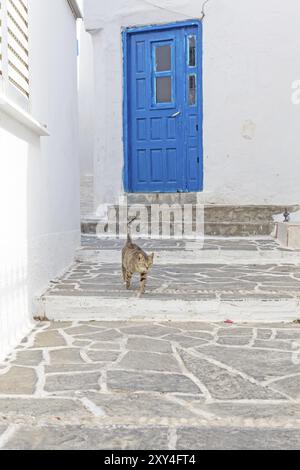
(251, 214)
(93, 308)
(210, 229)
(238, 230)
(225, 221)
(162, 198)
(217, 212)
(220, 214)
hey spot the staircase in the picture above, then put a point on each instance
(242, 279)
(219, 220)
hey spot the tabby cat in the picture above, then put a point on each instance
(135, 260)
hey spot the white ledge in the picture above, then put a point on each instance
(11, 109)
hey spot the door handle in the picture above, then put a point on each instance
(176, 114)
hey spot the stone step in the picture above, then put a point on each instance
(227, 221)
(218, 229)
(207, 251)
(105, 308)
(205, 257)
(260, 214)
(236, 229)
(226, 213)
(162, 198)
(185, 291)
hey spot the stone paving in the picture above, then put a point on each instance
(241, 279)
(90, 242)
(183, 281)
(118, 385)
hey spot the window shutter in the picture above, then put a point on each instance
(17, 44)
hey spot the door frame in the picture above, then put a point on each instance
(126, 33)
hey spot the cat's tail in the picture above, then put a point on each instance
(129, 240)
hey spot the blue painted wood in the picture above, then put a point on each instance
(159, 27)
(162, 140)
(126, 143)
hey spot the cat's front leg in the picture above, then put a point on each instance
(128, 280)
(143, 284)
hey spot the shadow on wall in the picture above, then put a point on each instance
(18, 148)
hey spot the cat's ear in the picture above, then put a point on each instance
(152, 256)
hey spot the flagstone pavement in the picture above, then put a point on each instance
(163, 386)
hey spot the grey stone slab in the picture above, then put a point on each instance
(82, 329)
(74, 382)
(228, 438)
(103, 356)
(186, 341)
(289, 334)
(234, 340)
(135, 406)
(157, 382)
(82, 343)
(18, 381)
(29, 358)
(191, 326)
(224, 385)
(282, 412)
(289, 385)
(264, 334)
(105, 346)
(40, 407)
(147, 344)
(49, 339)
(60, 368)
(109, 335)
(275, 344)
(194, 401)
(258, 363)
(232, 331)
(85, 438)
(149, 361)
(199, 334)
(149, 329)
(66, 356)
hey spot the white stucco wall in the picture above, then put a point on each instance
(39, 177)
(86, 101)
(251, 129)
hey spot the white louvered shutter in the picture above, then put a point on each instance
(17, 44)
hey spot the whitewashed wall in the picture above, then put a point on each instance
(86, 119)
(39, 177)
(86, 101)
(251, 129)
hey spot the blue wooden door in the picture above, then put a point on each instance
(163, 109)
